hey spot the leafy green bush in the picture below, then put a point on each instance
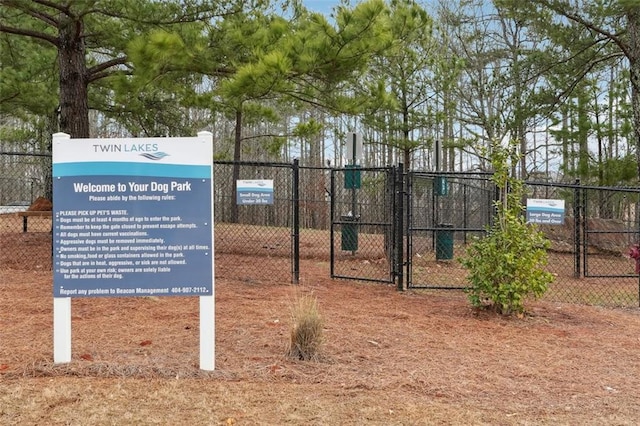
(507, 265)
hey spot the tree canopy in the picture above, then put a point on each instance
(425, 83)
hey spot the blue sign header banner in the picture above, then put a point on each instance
(128, 169)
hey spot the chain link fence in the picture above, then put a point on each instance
(25, 213)
(591, 250)
(591, 254)
(264, 231)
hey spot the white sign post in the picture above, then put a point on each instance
(120, 227)
(61, 330)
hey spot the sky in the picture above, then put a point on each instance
(325, 6)
(322, 6)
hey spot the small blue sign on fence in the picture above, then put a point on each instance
(254, 192)
(545, 212)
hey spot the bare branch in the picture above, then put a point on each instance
(197, 15)
(97, 71)
(587, 24)
(109, 73)
(46, 18)
(28, 33)
(267, 135)
(59, 7)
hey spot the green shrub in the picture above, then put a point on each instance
(507, 265)
(306, 331)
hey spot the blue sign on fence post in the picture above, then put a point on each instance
(545, 212)
(132, 217)
(254, 192)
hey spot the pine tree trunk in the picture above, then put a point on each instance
(236, 164)
(74, 107)
(633, 18)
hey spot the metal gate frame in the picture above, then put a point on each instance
(471, 193)
(349, 224)
(582, 232)
(435, 226)
(583, 237)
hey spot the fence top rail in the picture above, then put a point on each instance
(254, 163)
(29, 213)
(361, 168)
(634, 189)
(26, 154)
(462, 175)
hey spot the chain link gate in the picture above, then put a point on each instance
(363, 229)
(406, 229)
(592, 253)
(444, 210)
(609, 226)
(610, 244)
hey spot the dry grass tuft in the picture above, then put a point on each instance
(306, 331)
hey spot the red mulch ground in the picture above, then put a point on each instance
(389, 358)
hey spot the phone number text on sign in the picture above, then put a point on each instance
(188, 290)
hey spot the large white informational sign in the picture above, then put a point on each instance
(133, 217)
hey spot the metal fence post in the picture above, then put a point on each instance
(399, 225)
(296, 222)
(332, 210)
(577, 224)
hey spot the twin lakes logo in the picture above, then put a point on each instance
(159, 155)
(146, 150)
